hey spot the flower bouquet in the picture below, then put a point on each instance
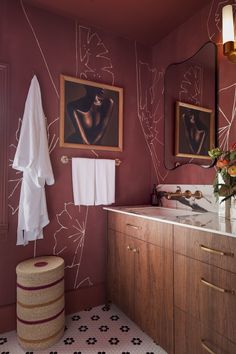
(225, 179)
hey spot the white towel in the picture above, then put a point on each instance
(105, 181)
(32, 157)
(83, 181)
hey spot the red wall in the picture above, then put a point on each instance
(47, 47)
(33, 41)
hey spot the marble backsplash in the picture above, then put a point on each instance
(207, 202)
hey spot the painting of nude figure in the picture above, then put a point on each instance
(194, 131)
(91, 115)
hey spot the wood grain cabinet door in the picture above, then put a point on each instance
(120, 272)
(192, 337)
(153, 292)
(206, 292)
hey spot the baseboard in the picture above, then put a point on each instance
(80, 299)
(75, 300)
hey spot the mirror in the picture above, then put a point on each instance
(190, 109)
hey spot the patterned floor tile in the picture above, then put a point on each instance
(98, 330)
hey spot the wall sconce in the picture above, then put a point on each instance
(229, 45)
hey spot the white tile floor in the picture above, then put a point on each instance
(100, 330)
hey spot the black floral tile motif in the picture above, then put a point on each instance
(106, 308)
(83, 328)
(88, 309)
(124, 329)
(107, 322)
(113, 341)
(3, 340)
(91, 341)
(136, 341)
(103, 328)
(69, 341)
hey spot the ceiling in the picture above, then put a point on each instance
(146, 21)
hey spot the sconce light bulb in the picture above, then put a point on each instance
(227, 24)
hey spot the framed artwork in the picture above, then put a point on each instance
(91, 115)
(194, 133)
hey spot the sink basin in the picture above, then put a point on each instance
(160, 211)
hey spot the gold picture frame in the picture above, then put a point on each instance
(91, 115)
(195, 131)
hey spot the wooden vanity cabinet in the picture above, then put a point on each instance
(177, 283)
(204, 292)
(140, 274)
(193, 337)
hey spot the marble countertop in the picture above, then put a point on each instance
(208, 221)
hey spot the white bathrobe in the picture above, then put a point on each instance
(32, 158)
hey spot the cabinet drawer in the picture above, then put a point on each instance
(147, 230)
(207, 293)
(191, 336)
(207, 247)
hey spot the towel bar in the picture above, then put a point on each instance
(65, 159)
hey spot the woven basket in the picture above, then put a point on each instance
(40, 302)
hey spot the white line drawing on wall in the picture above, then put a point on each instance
(40, 48)
(227, 116)
(191, 85)
(95, 61)
(150, 87)
(70, 238)
(53, 139)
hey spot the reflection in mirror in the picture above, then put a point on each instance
(190, 109)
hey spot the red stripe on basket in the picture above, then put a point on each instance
(39, 287)
(41, 321)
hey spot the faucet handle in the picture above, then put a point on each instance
(197, 194)
(178, 189)
(188, 194)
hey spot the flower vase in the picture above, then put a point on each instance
(233, 209)
(224, 208)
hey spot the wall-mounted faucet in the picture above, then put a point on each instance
(178, 194)
(182, 197)
(187, 194)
